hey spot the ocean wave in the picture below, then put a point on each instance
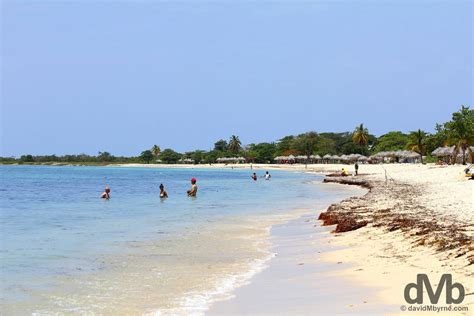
(196, 304)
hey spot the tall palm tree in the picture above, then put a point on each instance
(461, 130)
(234, 144)
(360, 136)
(156, 150)
(416, 142)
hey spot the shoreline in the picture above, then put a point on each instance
(418, 219)
(423, 224)
(297, 281)
(391, 236)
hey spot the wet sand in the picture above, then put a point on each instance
(420, 219)
(298, 281)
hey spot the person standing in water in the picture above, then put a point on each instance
(163, 193)
(106, 194)
(254, 176)
(267, 176)
(194, 188)
(356, 166)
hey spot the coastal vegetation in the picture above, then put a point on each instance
(458, 132)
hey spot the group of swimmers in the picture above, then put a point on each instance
(191, 192)
(267, 176)
(163, 194)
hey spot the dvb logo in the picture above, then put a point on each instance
(422, 280)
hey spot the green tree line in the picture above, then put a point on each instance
(458, 131)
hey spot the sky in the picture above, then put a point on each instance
(121, 76)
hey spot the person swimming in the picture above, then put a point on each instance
(267, 176)
(194, 188)
(106, 194)
(254, 176)
(163, 193)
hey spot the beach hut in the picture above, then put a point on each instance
(443, 151)
(444, 154)
(408, 156)
(384, 156)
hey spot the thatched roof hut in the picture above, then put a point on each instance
(186, 160)
(230, 159)
(398, 155)
(443, 151)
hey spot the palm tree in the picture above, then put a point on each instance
(416, 142)
(156, 150)
(461, 130)
(360, 136)
(234, 144)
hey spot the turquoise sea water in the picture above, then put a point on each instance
(56, 230)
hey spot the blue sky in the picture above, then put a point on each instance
(84, 76)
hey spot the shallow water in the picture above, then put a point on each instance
(64, 250)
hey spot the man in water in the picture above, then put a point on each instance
(163, 193)
(194, 188)
(356, 166)
(254, 176)
(106, 194)
(267, 176)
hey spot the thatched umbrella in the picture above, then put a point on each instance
(443, 151)
(314, 158)
(408, 155)
(280, 159)
(301, 158)
(186, 160)
(229, 159)
(353, 157)
(383, 154)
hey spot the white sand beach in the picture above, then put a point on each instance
(373, 257)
